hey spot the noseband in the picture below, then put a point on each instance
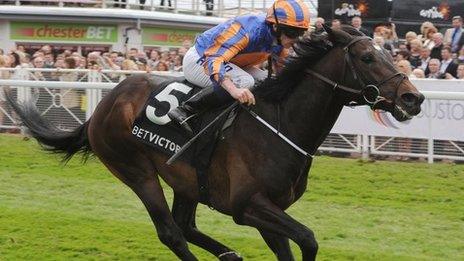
(368, 94)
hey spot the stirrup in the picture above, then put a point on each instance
(188, 118)
(184, 124)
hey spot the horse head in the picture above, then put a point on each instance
(371, 76)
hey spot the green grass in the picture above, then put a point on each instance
(358, 211)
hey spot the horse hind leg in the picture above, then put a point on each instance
(147, 187)
(183, 211)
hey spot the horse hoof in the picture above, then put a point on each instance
(230, 256)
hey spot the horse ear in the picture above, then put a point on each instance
(338, 36)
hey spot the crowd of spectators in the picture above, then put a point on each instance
(133, 60)
(425, 54)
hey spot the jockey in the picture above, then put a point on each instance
(227, 55)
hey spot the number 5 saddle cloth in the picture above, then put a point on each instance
(154, 128)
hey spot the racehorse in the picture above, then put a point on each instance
(254, 176)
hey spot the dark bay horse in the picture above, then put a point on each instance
(254, 176)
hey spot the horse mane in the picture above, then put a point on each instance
(307, 51)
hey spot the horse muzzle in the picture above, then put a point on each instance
(406, 106)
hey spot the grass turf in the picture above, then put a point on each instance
(358, 211)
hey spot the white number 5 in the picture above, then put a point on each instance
(166, 96)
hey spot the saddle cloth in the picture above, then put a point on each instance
(154, 128)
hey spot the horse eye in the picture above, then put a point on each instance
(367, 59)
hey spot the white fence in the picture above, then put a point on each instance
(359, 131)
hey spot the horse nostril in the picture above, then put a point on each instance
(411, 99)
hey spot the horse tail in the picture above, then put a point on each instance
(49, 136)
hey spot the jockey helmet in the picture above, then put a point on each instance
(289, 13)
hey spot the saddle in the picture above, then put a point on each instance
(154, 128)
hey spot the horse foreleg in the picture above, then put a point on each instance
(183, 211)
(152, 196)
(279, 245)
(261, 213)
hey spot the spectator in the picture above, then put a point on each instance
(46, 49)
(389, 35)
(59, 63)
(460, 56)
(447, 63)
(49, 60)
(15, 62)
(69, 63)
(182, 51)
(336, 24)
(404, 66)
(20, 48)
(436, 50)
(109, 62)
(428, 40)
(318, 25)
(209, 7)
(434, 70)
(142, 64)
(178, 63)
(356, 22)
(402, 55)
(424, 59)
(93, 65)
(66, 53)
(70, 97)
(416, 48)
(141, 54)
(453, 35)
(26, 60)
(172, 55)
(418, 73)
(154, 58)
(132, 53)
(423, 30)
(460, 72)
(461, 43)
(114, 56)
(379, 41)
(165, 57)
(14, 59)
(409, 37)
(82, 63)
(403, 47)
(39, 63)
(162, 66)
(129, 65)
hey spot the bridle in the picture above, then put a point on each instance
(368, 94)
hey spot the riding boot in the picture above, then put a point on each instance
(202, 101)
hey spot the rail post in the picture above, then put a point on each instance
(430, 145)
(365, 147)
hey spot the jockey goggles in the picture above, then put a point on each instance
(291, 32)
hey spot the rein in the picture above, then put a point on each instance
(369, 93)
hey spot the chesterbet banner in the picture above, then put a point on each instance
(167, 37)
(63, 32)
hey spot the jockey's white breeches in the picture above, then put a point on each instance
(194, 72)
